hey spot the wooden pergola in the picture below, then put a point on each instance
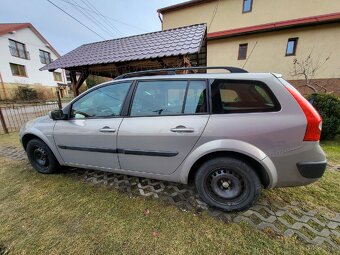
(181, 47)
(112, 70)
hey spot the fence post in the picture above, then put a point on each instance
(3, 123)
(59, 99)
(3, 87)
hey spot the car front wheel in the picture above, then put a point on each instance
(41, 157)
(228, 184)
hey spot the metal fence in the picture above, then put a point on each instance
(14, 115)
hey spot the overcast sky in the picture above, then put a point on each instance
(122, 18)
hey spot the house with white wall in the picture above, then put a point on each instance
(23, 51)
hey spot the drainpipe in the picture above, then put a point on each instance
(160, 18)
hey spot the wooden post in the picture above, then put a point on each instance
(186, 63)
(59, 100)
(3, 87)
(76, 83)
(3, 123)
(73, 77)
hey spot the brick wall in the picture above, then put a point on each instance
(332, 85)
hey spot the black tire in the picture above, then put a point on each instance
(41, 157)
(228, 184)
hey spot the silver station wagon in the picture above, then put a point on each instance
(231, 134)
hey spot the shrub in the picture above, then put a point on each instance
(83, 88)
(329, 108)
(94, 80)
(26, 93)
(45, 93)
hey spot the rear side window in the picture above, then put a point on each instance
(196, 98)
(164, 97)
(234, 96)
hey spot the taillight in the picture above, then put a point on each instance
(314, 121)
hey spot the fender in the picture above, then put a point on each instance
(230, 146)
(48, 139)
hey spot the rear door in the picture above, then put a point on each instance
(89, 137)
(166, 119)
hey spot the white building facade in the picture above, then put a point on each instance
(23, 51)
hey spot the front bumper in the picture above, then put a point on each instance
(312, 170)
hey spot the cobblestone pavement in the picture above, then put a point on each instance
(289, 220)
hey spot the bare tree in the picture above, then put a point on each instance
(307, 68)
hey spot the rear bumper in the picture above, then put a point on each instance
(312, 170)
(300, 167)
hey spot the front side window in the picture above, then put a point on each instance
(18, 49)
(232, 96)
(57, 76)
(18, 70)
(247, 6)
(104, 102)
(154, 98)
(45, 57)
(242, 51)
(291, 46)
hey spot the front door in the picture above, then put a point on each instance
(89, 137)
(166, 120)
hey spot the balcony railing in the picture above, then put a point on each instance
(19, 53)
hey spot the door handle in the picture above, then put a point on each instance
(182, 129)
(107, 129)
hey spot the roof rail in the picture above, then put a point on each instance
(172, 71)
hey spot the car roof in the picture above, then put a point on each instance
(245, 76)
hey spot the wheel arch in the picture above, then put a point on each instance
(36, 134)
(28, 137)
(259, 169)
(255, 157)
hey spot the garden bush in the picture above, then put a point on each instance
(26, 93)
(329, 108)
(94, 80)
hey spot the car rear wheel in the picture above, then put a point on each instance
(41, 157)
(228, 184)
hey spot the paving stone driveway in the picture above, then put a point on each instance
(289, 220)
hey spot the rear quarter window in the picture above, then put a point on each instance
(242, 96)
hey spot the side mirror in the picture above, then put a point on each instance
(57, 115)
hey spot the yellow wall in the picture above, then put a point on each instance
(269, 53)
(229, 13)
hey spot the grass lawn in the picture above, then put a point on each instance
(56, 214)
(332, 149)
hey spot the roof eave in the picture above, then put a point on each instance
(20, 26)
(46, 67)
(17, 27)
(275, 26)
(41, 37)
(179, 6)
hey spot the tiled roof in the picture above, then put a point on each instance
(173, 42)
(9, 27)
